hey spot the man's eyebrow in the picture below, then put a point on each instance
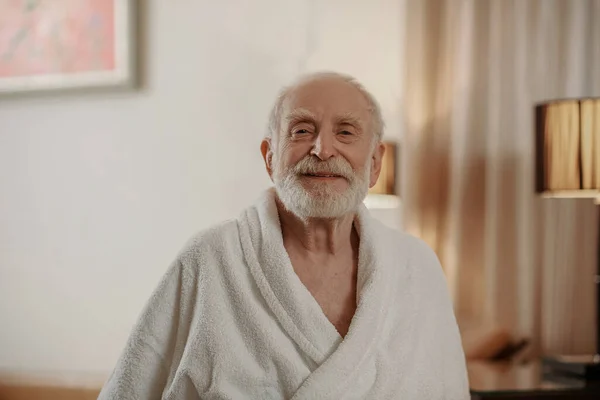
(300, 114)
(348, 118)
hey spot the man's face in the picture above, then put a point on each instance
(325, 157)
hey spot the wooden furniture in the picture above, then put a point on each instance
(15, 385)
(500, 381)
(26, 392)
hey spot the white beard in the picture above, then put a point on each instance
(322, 200)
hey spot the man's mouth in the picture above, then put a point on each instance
(322, 175)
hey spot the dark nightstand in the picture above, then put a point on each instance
(500, 381)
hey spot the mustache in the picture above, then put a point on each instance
(333, 166)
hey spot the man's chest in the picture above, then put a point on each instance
(334, 289)
(338, 306)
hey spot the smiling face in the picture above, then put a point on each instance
(326, 156)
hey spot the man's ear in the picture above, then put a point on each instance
(376, 161)
(267, 153)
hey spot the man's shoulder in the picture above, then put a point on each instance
(214, 239)
(405, 242)
(419, 249)
(425, 268)
(405, 246)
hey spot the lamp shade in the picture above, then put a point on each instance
(383, 195)
(568, 148)
(386, 184)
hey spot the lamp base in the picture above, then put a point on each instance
(585, 367)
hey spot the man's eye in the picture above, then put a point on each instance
(301, 132)
(346, 133)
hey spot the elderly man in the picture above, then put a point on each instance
(304, 295)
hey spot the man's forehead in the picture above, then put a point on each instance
(313, 98)
(326, 89)
(299, 113)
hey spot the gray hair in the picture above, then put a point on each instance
(275, 114)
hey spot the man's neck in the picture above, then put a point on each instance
(324, 236)
(324, 255)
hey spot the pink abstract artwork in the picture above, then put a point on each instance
(40, 38)
(65, 36)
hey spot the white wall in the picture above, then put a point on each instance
(99, 191)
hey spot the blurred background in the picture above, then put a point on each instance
(104, 176)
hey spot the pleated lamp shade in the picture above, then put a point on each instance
(567, 153)
(568, 148)
(386, 184)
(384, 194)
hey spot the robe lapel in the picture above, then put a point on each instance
(351, 368)
(290, 301)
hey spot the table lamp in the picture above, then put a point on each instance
(567, 165)
(383, 195)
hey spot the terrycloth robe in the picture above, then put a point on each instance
(231, 320)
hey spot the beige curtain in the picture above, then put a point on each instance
(474, 71)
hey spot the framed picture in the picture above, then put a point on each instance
(65, 44)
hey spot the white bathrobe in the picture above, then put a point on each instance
(231, 320)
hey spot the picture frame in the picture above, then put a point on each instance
(66, 44)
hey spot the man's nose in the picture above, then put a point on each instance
(323, 147)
